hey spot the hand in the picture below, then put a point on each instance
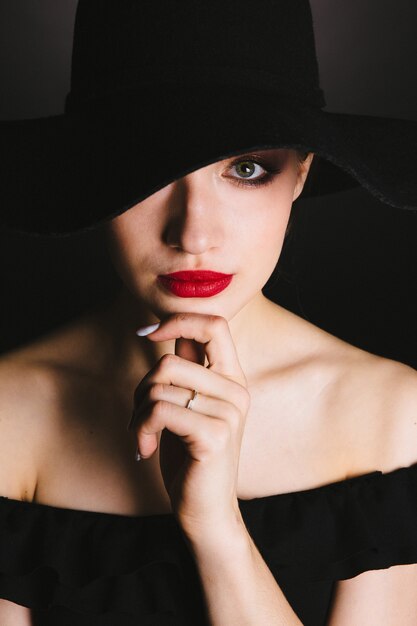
(199, 447)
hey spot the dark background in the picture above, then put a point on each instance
(350, 263)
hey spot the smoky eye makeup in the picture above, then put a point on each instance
(254, 170)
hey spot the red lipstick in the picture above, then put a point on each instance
(195, 284)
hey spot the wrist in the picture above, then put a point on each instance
(217, 536)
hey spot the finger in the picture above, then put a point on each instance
(173, 370)
(201, 435)
(213, 407)
(212, 331)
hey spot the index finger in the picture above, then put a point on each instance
(210, 330)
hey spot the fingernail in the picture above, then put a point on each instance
(129, 426)
(137, 455)
(146, 330)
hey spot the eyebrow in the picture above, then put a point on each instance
(268, 151)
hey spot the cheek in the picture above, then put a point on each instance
(122, 241)
(269, 213)
(134, 231)
(265, 232)
(271, 237)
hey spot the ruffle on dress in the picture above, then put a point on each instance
(96, 563)
(140, 568)
(338, 530)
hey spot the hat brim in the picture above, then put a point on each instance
(67, 173)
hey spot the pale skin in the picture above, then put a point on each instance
(203, 494)
(250, 404)
(206, 221)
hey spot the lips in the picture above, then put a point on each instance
(195, 284)
(197, 275)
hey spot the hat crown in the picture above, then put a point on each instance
(265, 44)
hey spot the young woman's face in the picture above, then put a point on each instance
(228, 217)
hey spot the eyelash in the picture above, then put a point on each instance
(264, 180)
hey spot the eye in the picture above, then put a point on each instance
(247, 168)
(249, 172)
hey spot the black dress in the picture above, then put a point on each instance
(79, 568)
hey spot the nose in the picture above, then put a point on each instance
(194, 218)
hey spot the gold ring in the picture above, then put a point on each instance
(191, 400)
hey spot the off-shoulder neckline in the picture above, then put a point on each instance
(243, 503)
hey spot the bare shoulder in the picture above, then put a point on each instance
(399, 394)
(26, 390)
(372, 400)
(361, 408)
(386, 440)
(35, 382)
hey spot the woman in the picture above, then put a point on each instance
(272, 502)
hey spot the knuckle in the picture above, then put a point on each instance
(216, 438)
(167, 360)
(217, 321)
(222, 436)
(233, 415)
(182, 317)
(241, 397)
(160, 408)
(156, 391)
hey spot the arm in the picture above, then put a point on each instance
(201, 476)
(386, 596)
(376, 598)
(238, 586)
(240, 590)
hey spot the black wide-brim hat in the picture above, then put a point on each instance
(160, 89)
